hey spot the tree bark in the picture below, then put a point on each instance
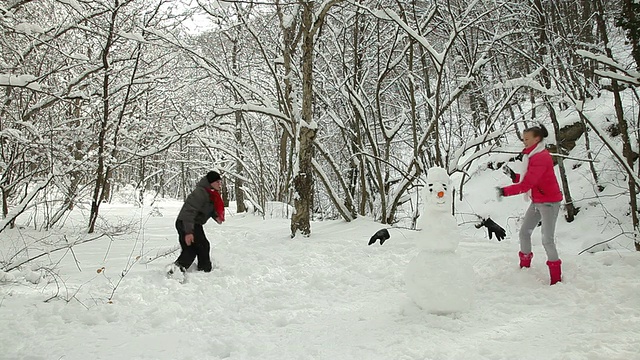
(239, 182)
(569, 207)
(303, 180)
(357, 171)
(100, 179)
(290, 39)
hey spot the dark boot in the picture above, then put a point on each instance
(555, 271)
(525, 259)
(205, 267)
(176, 266)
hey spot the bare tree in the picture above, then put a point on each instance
(307, 128)
(623, 128)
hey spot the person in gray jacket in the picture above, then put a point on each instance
(203, 202)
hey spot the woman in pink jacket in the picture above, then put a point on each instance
(541, 186)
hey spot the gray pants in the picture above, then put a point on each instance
(548, 213)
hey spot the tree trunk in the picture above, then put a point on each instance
(286, 103)
(5, 207)
(630, 21)
(357, 171)
(239, 182)
(141, 181)
(77, 150)
(569, 207)
(100, 179)
(285, 158)
(543, 52)
(303, 180)
(224, 194)
(622, 123)
(428, 113)
(183, 174)
(587, 145)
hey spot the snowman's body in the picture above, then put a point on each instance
(437, 279)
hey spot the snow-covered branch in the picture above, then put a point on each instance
(627, 75)
(619, 157)
(20, 208)
(455, 165)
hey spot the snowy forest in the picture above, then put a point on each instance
(328, 122)
(336, 108)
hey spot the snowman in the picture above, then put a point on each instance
(437, 279)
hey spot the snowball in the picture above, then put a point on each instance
(33, 277)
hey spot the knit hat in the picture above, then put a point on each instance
(213, 176)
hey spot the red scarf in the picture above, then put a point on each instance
(218, 204)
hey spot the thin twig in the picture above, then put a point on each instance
(162, 254)
(605, 241)
(68, 246)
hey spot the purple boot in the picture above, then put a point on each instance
(525, 259)
(555, 271)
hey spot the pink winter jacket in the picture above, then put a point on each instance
(539, 178)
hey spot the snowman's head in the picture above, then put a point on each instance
(436, 195)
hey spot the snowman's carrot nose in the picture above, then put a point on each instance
(440, 194)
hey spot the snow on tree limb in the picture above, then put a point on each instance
(603, 59)
(628, 75)
(321, 14)
(619, 77)
(620, 157)
(454, 164)
(388, 14)
(390, 132)
(344, 211)
(20, 208)
(174, 136)
(26, 81)
(528, 81)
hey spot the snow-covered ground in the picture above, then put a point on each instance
(329, 296)
(326, 297)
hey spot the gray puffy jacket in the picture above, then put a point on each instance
(198, 207)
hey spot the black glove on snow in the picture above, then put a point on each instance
(382, 235)
(510, 173)
(492, 228)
